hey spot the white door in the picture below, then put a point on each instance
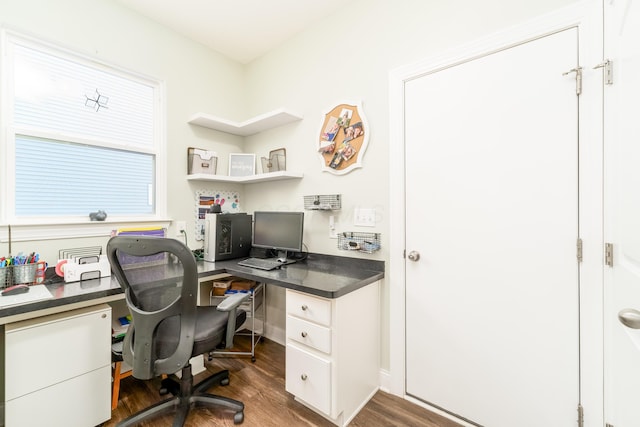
(622, 212)
(492, 211)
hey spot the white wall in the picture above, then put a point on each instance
(346, 56)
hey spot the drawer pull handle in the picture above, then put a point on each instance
(304, 307)
(304, 335)
(303, 377)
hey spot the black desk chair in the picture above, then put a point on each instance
(160, 280)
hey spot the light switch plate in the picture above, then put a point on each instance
(364, 217)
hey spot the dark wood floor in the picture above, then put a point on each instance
(261, 387)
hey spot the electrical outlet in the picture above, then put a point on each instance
(364, 217)
(180, 227)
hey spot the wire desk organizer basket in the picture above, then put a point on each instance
(277, 161)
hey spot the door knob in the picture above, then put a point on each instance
(414, 256)
(630, 317)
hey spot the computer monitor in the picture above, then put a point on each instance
(280, 231)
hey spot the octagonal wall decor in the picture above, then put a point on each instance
(343, 138)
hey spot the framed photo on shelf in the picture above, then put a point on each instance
(241, 164)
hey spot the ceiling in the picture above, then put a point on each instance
(239, 29)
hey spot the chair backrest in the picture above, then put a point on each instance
(160, 279)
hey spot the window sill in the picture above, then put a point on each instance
(50, 230)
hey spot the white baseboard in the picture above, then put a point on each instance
(385, 381)
(440, 412)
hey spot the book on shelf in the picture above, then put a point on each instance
(119, 326)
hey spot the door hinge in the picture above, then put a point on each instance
(578, 71)
(608, 254)
(579, 249)
(607, 67)
(580, 416)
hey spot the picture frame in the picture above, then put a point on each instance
(241, 164)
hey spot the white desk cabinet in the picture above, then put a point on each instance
(57, 369)
(332, 352)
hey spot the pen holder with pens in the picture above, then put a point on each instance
(29, 274)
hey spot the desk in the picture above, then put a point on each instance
(338, 281)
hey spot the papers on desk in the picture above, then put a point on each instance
(36, 293)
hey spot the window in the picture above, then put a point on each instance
(79, 136)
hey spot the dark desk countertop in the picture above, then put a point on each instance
(322, 275)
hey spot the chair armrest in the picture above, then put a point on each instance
(233, 301)
(230, 304)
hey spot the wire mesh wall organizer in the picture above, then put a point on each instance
(327, 202)
(361, 242)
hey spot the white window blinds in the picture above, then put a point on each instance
(83, 135)
(56, 94)
(55, 178)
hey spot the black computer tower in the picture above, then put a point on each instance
(227, 236)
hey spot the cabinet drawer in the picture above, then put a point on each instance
(51, 349)
(311, 334)
(308, 377)
(314, 309)
(78, 402)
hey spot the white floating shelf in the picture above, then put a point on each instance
(263, 177)
(252, 126)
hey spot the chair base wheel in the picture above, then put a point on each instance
(224, 381)
(168, 385)
(238, 418)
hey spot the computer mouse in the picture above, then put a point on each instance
(15, 289)
(282, 260)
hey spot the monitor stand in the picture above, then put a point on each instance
(282, 258)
